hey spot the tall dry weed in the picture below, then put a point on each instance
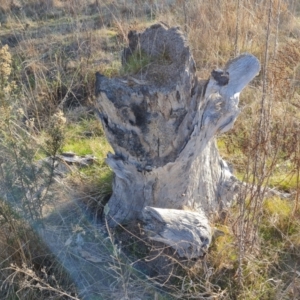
(54, 70)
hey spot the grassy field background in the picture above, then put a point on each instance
(51, 243)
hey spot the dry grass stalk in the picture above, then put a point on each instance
(57, 72)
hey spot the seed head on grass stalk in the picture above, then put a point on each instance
(55, 133)
(7, 87)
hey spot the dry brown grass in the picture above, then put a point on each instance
(56, 48)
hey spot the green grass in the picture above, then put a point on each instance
(81, 42)
(277, 253)
(284, 181)
(111, 70)
(99, 175)
(283, 177)
(86, 137)
(135, 63)
(83, 146)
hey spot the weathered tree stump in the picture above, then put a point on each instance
(161, 122)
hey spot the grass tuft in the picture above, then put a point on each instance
(49, 53)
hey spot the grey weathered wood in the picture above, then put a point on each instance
(187, 232)
(162, 125)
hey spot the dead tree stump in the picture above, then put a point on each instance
(161, 122)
